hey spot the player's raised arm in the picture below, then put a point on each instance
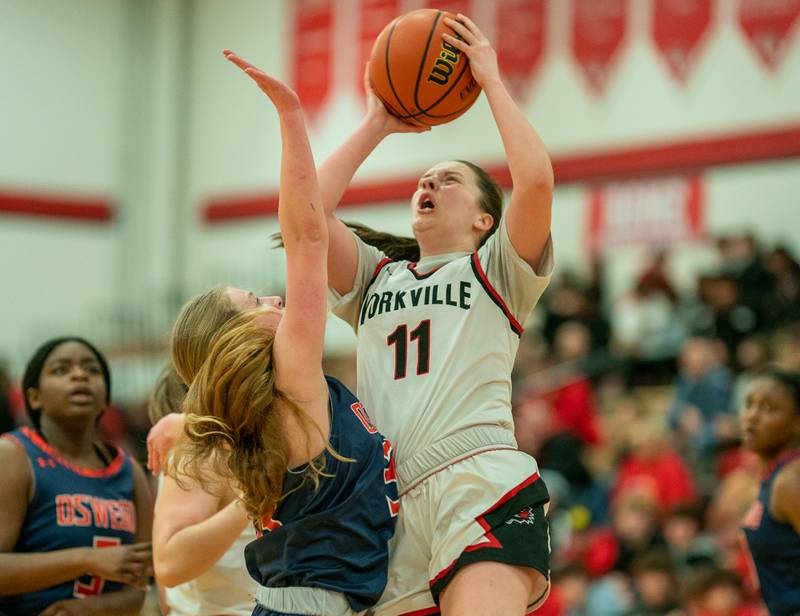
(529, 209)
(300, 334)
(336, 173)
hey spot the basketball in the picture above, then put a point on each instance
(419, 77)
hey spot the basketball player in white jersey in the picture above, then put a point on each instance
(205, 582)
(438, 323)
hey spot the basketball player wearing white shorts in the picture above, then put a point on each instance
(438, 322)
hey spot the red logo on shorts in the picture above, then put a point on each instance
(526, 516)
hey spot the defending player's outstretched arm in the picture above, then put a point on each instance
(300, 335)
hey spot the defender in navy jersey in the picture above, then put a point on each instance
(335, 536)
(312, 469)
(73, 507)
(193, 582)
(771, 428)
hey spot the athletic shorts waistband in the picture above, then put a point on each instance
(304, 600)
(451, 449)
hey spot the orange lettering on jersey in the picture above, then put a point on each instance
(361, 413)
(100, 512)
(389, 473)
(394, 506)
(64, 515)
(272, 524)
(123, 515)
(268, 523)
(82, 515)
(89, 510)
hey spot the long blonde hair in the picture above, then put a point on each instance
(232, 420)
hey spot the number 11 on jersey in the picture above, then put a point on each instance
(400, 338)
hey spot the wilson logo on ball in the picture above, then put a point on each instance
(444, 65)
(421, 78)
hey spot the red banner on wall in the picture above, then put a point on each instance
(454, 6)
(646, 212)
(374, 16)
(520, 40)
(768, 26)
(598, 30)
(313, 52)
(678, 28)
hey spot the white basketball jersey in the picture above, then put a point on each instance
(437, 339)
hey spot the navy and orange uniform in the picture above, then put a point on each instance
(71, 507)
(335, 537)
(775, 548)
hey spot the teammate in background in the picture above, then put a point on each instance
(75, 521)
(312, 469)
(191, 582)
(438, 321)
(771, 428)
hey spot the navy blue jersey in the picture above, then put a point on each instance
(71, 507)
(775, 547)
(335, 537)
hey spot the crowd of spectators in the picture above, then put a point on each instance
(630, 405)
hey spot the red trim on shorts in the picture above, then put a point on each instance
(513, 492)
(426, 611)
(42, 444)
(443, 572)
(493, 542)
(493, 294)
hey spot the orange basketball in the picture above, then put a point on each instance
(420, 78)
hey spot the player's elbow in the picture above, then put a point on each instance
(311, 235)
(540, 178)
(168, 573)
(543, 183)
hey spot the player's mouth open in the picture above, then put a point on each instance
(426, 205)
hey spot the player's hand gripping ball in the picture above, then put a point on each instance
(419, 77)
